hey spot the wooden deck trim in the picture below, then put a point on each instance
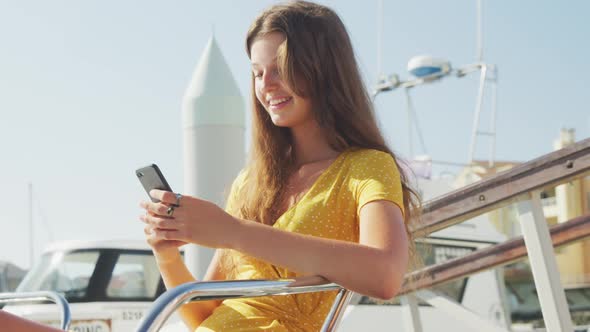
(497, 255)
(504, 188)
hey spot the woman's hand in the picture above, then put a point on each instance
(193, 220)
(164, 250)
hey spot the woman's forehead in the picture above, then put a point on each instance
(264, 48)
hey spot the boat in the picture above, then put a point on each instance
(109, 285)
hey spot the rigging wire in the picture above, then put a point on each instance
(413, 115)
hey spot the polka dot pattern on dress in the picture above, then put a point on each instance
(330, 209)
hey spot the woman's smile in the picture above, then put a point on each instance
(276, 104)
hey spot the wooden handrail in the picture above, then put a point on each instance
(504, 188)
(487, 258)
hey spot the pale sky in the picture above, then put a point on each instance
(91, 90)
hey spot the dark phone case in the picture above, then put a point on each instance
(152, 178)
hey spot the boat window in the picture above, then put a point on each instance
(68, 274)
(523, 300)
(135, 275)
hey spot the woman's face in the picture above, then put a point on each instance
(285, 108)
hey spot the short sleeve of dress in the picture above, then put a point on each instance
(232, 198)
(377, 178)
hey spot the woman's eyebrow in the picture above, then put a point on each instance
(256, 64)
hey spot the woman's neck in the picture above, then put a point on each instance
(310, 145)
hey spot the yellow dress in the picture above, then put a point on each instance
(329, 209)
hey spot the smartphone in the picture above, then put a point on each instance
(152, 178)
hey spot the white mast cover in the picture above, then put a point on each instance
(213, 127)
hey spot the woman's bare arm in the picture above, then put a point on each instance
(174, 273)
(374, 267)
(10, 322)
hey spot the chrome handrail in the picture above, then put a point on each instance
(62, 303)
(169, 301)
(337, 311)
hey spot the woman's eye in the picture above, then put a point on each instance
(274, 73)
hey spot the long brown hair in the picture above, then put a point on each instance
(316, 60)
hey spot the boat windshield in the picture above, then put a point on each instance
(96, 275)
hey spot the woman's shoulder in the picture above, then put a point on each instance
(370, 163)
(238, 183)
(365, 157)
(240, 178)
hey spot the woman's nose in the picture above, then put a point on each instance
(270, 80)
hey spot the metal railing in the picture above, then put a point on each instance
(62, 303)
(168, 302)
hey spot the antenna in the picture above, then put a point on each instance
(427, 69)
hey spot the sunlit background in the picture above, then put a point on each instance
(91, 90)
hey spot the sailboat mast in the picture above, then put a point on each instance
(479, 31)
(379, 39)
(31, 237)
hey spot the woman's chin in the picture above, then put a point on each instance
(280, 122)
(280, 119)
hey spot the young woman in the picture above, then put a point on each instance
(322, 194)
